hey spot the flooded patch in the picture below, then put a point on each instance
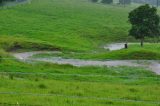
(115, 46)
(79, 62)
(153, 65)
(118, 46)
(27, 55)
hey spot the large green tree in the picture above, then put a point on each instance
(145, 22)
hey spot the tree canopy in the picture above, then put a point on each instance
(145, 22)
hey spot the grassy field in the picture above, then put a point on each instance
(73, 26)
(68, 24)
(50, 84)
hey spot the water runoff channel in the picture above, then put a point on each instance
(153, 65)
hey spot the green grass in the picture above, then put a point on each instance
(79, 90)
(13, 44)
(63, 82)
(68, 24)
(150, 51)
(82, 27)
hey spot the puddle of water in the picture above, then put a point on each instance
(115, 46)
(148, 64)
(27, 55)
(79, 62)
(155, 67)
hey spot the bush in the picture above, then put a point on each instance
(107, 1)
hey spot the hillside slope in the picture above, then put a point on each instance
(67, 24)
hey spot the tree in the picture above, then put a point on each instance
(145, 22)
(107, 1)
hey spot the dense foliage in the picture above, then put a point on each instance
(145, 22)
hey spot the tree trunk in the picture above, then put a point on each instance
(142, 40)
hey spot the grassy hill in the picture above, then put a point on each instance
(67, 24)
(72, 25)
